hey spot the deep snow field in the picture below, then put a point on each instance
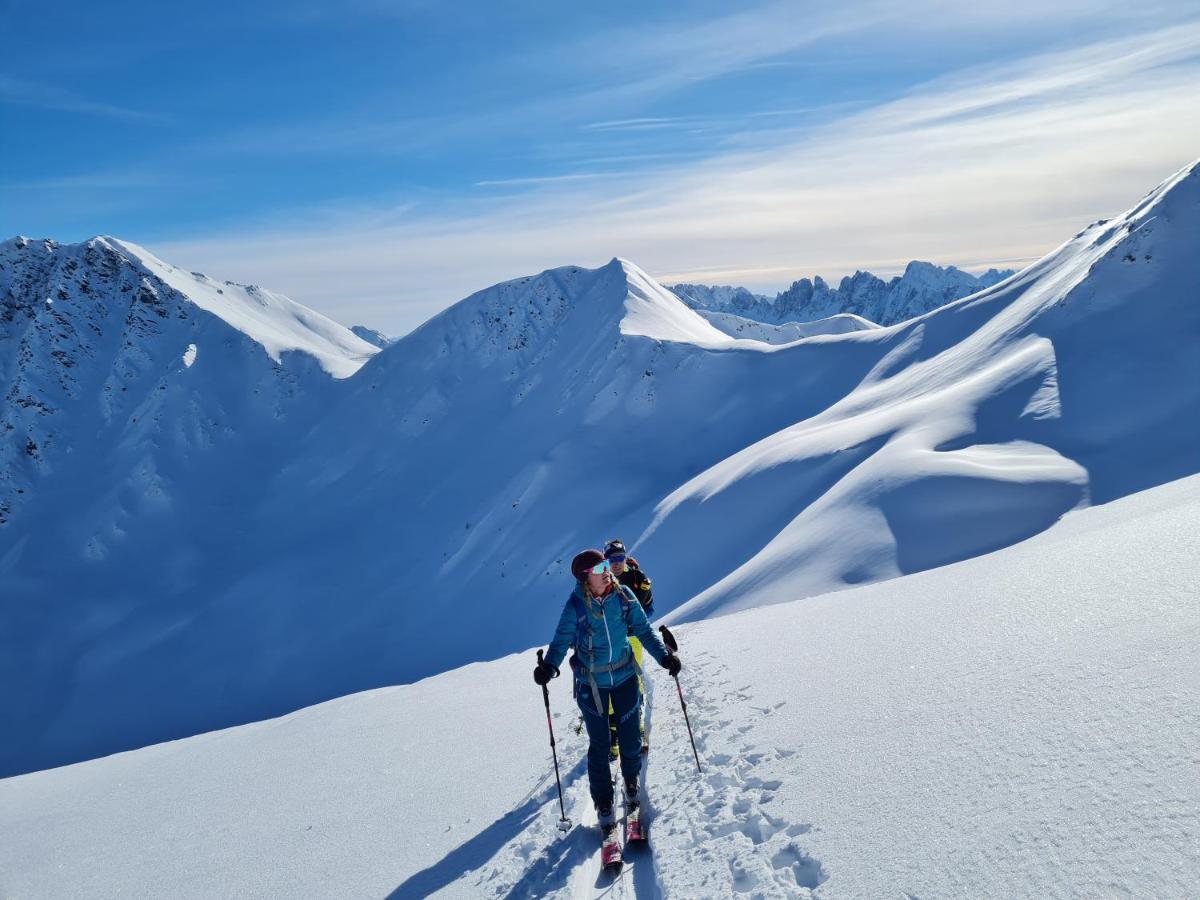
(1020, 724)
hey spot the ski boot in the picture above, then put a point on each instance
(635, 831)
(605, 818)
(610, 847)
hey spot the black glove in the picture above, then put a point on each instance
(671, 663)
(543, 672)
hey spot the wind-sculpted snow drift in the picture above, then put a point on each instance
(211, 529)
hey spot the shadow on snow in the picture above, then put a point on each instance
(478, 850)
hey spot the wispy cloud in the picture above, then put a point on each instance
(545, 179)
(641, 124)
(44, 96)
(998, 163)
(610, 70)
(637, 62)
(1102, 65)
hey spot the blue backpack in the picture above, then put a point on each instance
(583, 628)
(583, 621)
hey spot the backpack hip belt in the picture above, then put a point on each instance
(582, 670)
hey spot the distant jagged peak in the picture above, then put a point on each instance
(919, 270)
(705, 295)
(923, 286)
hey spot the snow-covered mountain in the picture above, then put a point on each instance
(265, 535)
(787, 332)
(1021, 724)
(923, 287)
(97, 347)
(724, 298)
(142, 404)
(371, 336)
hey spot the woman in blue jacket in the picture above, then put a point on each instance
(596, 622)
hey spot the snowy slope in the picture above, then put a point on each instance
(141, 405)
(277, 323)
(371, 336)
(97, 328)
(333, 528)
(986, 420)
(739, 327)
(1020, 724)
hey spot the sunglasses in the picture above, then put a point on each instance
(616, 560)
(599, 569)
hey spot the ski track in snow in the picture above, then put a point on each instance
(717, 835)
(712, 834)
(542, 861)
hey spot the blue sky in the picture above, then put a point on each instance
(379, 160)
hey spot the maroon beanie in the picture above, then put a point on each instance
(584, 561)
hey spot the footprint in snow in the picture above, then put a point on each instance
(718, 837)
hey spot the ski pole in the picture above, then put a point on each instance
(669, 640)
(564, 824)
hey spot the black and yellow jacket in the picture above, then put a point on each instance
(638, 582)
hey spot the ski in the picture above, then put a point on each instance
(635, 829)
(610, 852)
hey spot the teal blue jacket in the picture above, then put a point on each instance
(606, 641)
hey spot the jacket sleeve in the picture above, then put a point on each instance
(564, 634)
(643, 632)
(648, 603)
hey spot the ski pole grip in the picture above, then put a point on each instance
(668, 638)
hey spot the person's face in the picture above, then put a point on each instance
(599, 583)
(618, 564)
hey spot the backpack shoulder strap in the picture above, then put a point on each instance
(627, 596)
(583, 623)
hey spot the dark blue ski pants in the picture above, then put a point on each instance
(626, 700)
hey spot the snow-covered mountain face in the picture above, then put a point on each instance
(371, 336)
(922, 287)
(787, 332)
(302, 536)
(723, 298)
(142, 405)
(99, 344)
